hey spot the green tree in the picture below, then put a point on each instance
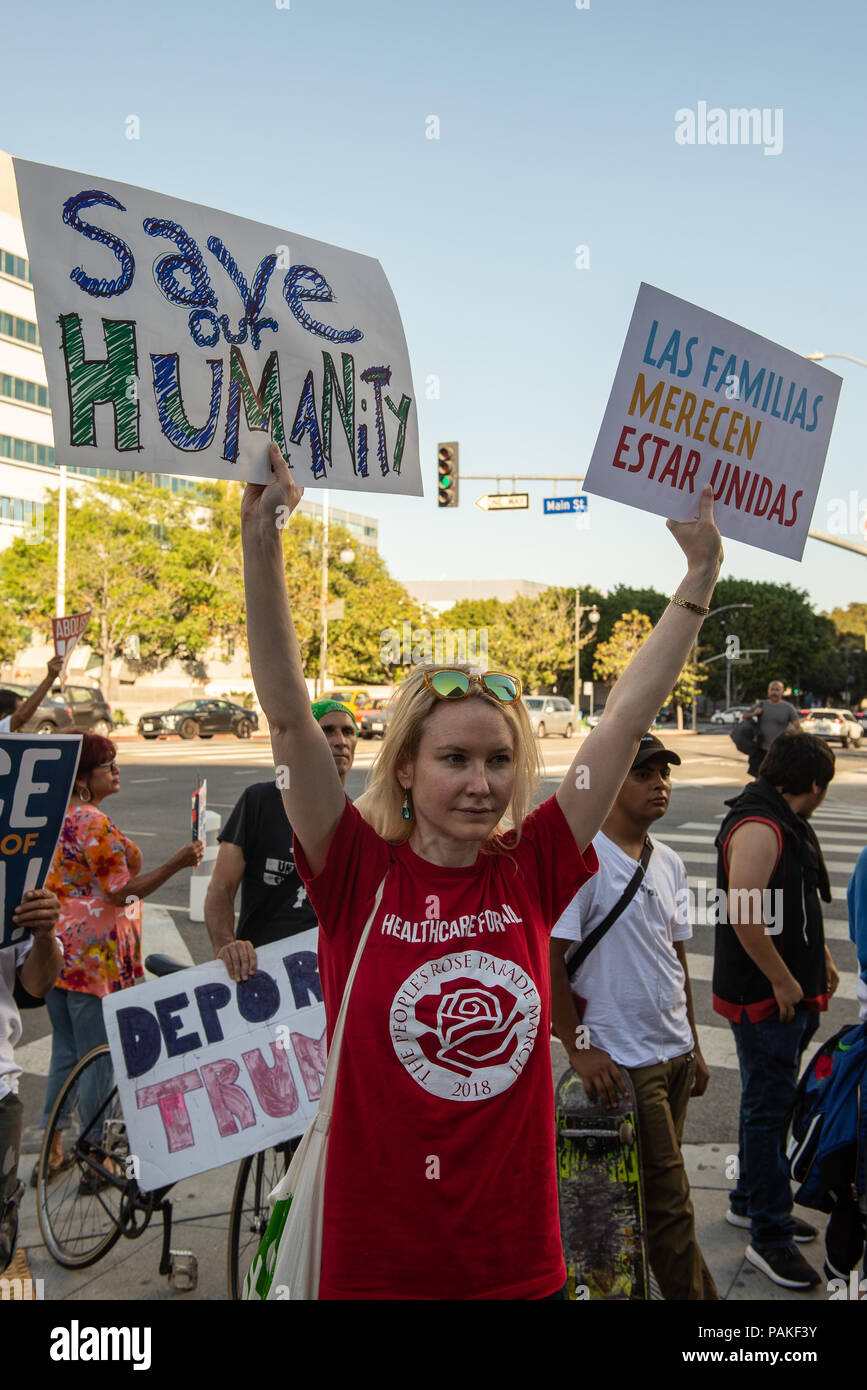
(540, 638)
(627, 637)
(113, 565)
(13, 634)
(851, 620)
(802, 649)
(367, 645)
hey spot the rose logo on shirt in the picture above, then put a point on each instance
(464, 1025)
(471, 1027)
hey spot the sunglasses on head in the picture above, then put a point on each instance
(447, 684)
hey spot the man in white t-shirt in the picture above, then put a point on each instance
(632, 993)
(16, 710)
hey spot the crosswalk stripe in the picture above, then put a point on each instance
(666, 835)
(715, 825)
(837, 894)
(701, 968)
(718, 1046)
(692, 856)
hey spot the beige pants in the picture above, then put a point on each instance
(662, 1092)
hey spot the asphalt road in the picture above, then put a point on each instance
(153, 808)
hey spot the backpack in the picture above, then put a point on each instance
(745, 736)
(828, 1122)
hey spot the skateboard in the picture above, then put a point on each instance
(601, 1201)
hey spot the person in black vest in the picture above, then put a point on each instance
(256, 854)
(772, 976)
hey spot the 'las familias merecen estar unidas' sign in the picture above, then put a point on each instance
(697, 399)
(180, 339)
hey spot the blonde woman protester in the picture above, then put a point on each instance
(441, 1179)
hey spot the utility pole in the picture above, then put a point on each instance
(725, 609)
(60, 594)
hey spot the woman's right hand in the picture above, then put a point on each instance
(189, 855)
(267, 507)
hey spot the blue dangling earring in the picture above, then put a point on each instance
(405, 812)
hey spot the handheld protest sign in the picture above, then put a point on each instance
(37, 775)
(200, 801)
(180, 339)
(66, 632)
(697, 399)
(208, 1070)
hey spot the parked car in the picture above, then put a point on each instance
(199, 719)
(356, 700)
(90, 709)
(374, 720)
(550, 714)
(53, 716)
(835, 726)
(731, 716)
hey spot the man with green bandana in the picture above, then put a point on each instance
(255, 854)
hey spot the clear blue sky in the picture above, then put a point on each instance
(556, 130)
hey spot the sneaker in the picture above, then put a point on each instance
(786, 1266)
(802, 1234)
(736, 1218)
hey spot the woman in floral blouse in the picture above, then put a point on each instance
(97, 874)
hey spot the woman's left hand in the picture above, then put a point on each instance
(700, 540)
(38, 911)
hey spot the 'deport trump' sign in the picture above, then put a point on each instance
(209, 1070)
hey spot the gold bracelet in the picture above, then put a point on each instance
(693, 607)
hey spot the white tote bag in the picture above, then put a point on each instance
(287, 1265)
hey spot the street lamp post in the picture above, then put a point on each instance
(725, 609)
(594, 618)
(820, 357)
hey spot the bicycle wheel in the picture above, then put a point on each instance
(258, 1175)
(79, 1208)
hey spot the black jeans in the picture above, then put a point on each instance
(769, 1057)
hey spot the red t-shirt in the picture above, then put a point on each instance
(441, 1179)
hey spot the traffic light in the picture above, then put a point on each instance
(447, 475)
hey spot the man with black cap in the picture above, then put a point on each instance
(632, 993)
(256, 854)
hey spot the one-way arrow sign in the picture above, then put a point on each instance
(503, 501)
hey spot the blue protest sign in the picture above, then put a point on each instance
(37, 774)
(551, 506)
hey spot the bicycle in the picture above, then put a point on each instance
(93, 1198)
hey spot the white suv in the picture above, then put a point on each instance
(550, 714)
(834, 725)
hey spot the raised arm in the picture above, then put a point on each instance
(587, 792)
(307, 774)
(28, 707)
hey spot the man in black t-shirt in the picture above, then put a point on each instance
(772, 977)
(256, 854)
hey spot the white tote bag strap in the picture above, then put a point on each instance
(329, 1081)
